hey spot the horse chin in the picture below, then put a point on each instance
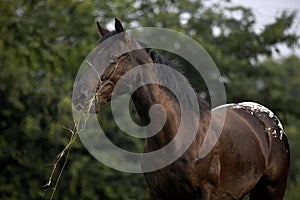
(99, 104)
(97, 109)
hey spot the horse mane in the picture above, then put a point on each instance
(108, 35)
(163, 59)
(175, 64)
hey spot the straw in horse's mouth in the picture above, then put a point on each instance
(79, 107)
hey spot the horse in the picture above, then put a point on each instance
(251, 156)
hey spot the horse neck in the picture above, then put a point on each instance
(150, 94)
(147, 96)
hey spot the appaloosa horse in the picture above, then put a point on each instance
(251, 155)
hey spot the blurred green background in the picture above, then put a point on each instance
(42, 44)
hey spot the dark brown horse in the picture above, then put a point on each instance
(251, 155)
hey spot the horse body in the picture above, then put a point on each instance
(250, 156)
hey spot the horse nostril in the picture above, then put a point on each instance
(82, 97)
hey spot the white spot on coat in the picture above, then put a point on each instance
(255, 108)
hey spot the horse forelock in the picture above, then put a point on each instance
(109, 35)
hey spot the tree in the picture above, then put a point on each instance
(42, 44)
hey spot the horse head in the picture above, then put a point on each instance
(114, 56)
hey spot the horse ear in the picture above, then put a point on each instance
(118, 26)
(103, 31)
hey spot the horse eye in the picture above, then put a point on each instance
(112, 60)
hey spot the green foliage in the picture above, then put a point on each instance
(293, 190)
(42, 44)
